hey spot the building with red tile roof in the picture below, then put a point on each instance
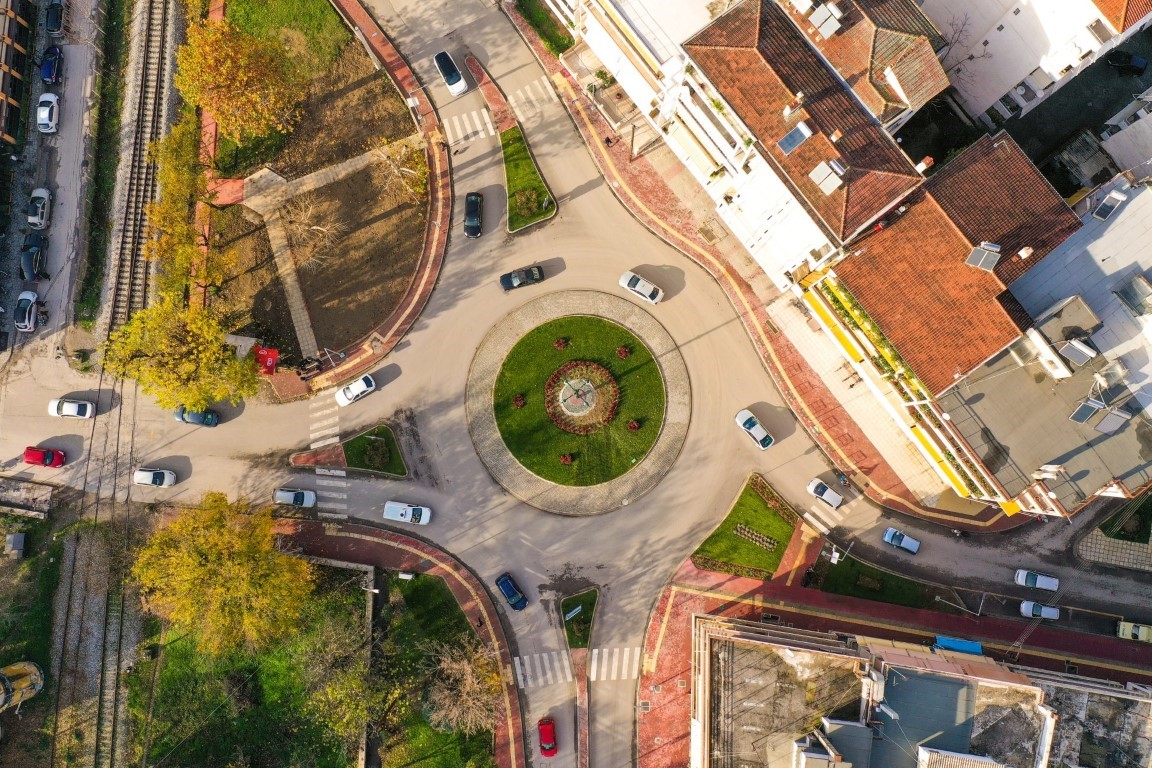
(1124, 14)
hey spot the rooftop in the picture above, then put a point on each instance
(944, 315)
(1123, 14)
(812, 129)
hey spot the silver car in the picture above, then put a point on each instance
(48, 113)
(39, 208)
(294, 497)
(25, 314)
(159, 478)
(821, 491)
(402, 512)
(1030, 609)
(352, 392)
(1037, 580)
(754, 429)
(634, 284)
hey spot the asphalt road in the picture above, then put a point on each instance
(630, 553)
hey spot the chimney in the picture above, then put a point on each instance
(795, 104)
(836, 135)
(925, 164)
(1025, 252)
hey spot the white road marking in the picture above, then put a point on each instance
(592, 664)
(317, 402)
(332, 472)
(331, 495)
(323, 422)
(636, 664)
(331, 505)
(326, 431)
(322, 443)
(545, 89)
(567, 667)
(615, 662)
(488, 122)
(546, 662)
(519, 672)
(335, 483)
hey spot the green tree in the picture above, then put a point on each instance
(215, 571)
(177, 354)
(249, 84)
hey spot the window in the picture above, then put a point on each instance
(794, 138)
(1109, 204)
(1100, 31)
(827, 176)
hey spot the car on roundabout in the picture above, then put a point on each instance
(641, 288)
(403, 512)
(518, 278)
(511, 592)
(754, 429)
(157, 478)
(350, 393)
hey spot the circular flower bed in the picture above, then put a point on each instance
(590, 441)
(581, 397)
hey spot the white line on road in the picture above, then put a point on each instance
(323, 422)
(519, 672)
(592, 666)
(331, 505)
(322, 443)
(615, 663)
(624, 663)
(636, 664)
(316, 403)
(547, 664)
(332, 495)
(542, 85)
(326, 431)
(567, 667)
(335, 483)
(488, 123)
(454, 135)
(332, 472)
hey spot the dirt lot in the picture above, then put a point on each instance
(368, 268)
(253, 299)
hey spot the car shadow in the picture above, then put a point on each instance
(229, 412)
(388, 373)
(181, 465)
(778, 420)
(667, 278)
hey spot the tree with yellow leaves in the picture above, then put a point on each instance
(249, 84)
(177, 354)
(215, 571)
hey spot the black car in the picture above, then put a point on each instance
(511, 592)
(473, 214)
(32, 257)
(1127, 63)
(518, 278)
(54, 19)
(52, 65)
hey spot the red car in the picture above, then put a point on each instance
(547, 729)
(44, 457)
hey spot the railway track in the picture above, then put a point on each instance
(89, 723)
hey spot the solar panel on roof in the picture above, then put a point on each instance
(982, 258)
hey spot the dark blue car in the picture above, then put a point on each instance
(52, 65)
(511, 592)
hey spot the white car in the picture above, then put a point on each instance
(821, 491)
(1037, 580)
(402, 512)
(901, 540)
(48, 113)
(72, 409)
(294, 497)
(1033, 610)
(39, 208)
(451, 73)
(159, 478)
(752, 427)
(633, 283)
(25, 314)
(354, 391)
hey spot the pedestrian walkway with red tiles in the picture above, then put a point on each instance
(665, 706)
(502, 114)
(391, 551)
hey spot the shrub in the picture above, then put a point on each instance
(634, 425)
(623, 352)
(527, 202)
(519, 401)
(377, 455)
(560, 343)
(566, 458)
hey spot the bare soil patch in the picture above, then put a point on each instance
(252, 298)
(353, 283)
(349, 108)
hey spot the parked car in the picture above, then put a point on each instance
(52, 65)
(54, 18)
(633, 283)
(48, 113)
(294, 497)
(25, 314)
(1126, 63)
(1030, 609)
(473, 214)
(204, 418)
(1037, 580)
(1130, 631)
(511, 592)
(44, 457)
(351, 393)
(160, 478)
(39, 208)
(825, 494)
(518, 278)
(546, 728)
(752, 427)
(901, 540)
(451, 74)
(32, 256)
(402, 512)
(72, 409)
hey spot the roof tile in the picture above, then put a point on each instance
(1124, 14)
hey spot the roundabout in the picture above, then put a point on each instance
(578, 402)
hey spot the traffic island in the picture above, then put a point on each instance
(577, 612)
(375, 450)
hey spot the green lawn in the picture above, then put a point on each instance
(311, 29)
(555, 36)
(359, 452)
(1132, 523)
(601, 455)
(529, 200)
(578, 629)
(429, 612)
(855, 579)
(26, 626)
(233, 159)
(750, 510)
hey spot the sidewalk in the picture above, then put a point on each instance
(391, 551)
(665, 690)
(661, 195)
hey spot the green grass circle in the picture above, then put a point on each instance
(608, 452)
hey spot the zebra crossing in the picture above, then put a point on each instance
(553, 667)
(324, 430)
(526, 103)
(823, 518)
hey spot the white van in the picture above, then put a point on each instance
(451, 74)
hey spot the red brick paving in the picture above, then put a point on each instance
(668, 643)
(288, 385)
(502, 113)
(653, 202)
(580, 674)
(392, 551)
(328, 456)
